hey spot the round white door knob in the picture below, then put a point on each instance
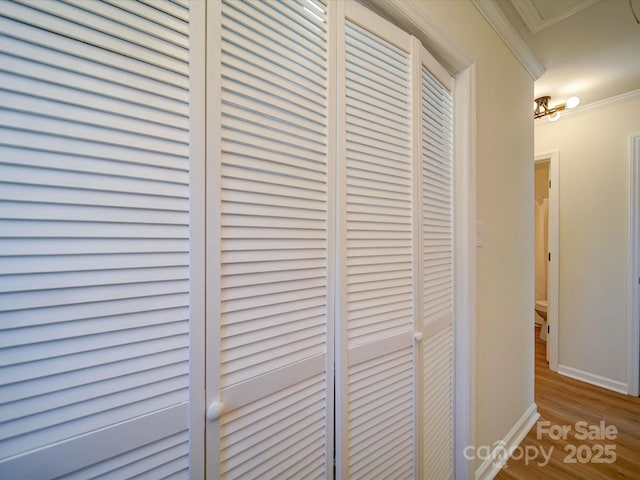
(214, 412)
(418, 336)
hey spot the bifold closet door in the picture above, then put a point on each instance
(307, 130)
(94, 239)
(375, 431)
(269, 318)
(436, 326)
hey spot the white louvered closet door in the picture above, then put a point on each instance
(94, 239)
(437, 264)
(269, 231)
(375, 365)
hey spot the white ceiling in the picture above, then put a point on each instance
(589, 48)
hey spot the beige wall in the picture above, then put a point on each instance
(505, 279)
(594, 186)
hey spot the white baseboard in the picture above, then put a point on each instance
(492, 465)
(593, 379)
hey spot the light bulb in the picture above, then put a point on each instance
(554, 116)
(573, 102)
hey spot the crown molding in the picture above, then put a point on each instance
(529, 14)
(534, 20)
(510, 36)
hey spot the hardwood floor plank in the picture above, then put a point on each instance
(563, 401)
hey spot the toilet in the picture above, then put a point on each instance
(541, 309)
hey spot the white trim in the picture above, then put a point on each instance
(593, 379)
(417, 51)
(415, 21)
(341, 390)
(374, 23)
(212, 233)
(197, 222)
(553, 236)
(534, 20)
(82, 451)
(332, 229)
(624, 97)
(529, 14)
(270, 383)
(374, 349)
(633, 363)
(498, 20)
(428, 61)
(498, 458)
(465, 267)
(445, 322)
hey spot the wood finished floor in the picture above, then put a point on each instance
(564, 401)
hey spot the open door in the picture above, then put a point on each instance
(553, 256)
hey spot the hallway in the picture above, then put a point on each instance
(604, 445)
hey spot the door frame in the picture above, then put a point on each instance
(553, 236)
(633, 362)
(197, 237)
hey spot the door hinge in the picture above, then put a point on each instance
(548, 329)
(549, 256)
(549, 183)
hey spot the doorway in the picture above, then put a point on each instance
(552, 254)
(633, 373)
